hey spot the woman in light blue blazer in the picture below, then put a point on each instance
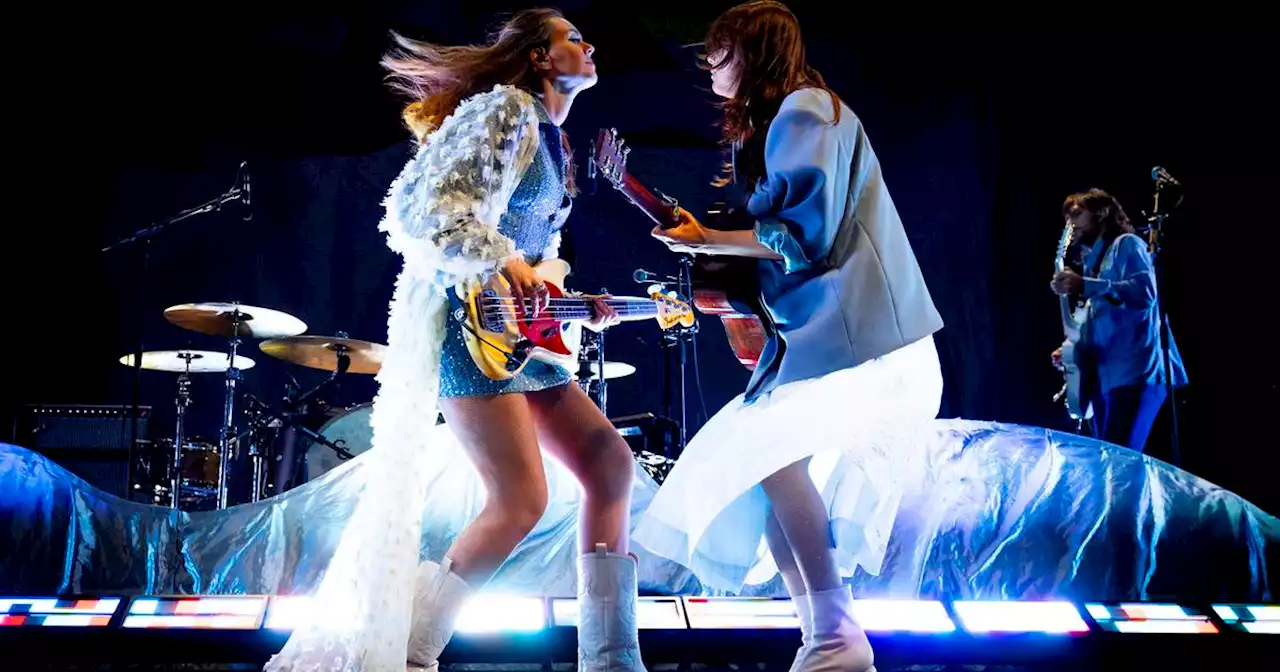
(814, 455)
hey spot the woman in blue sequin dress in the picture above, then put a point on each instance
(487, 192)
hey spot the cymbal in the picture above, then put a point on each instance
(175, 361)
(612, 370)
(218, 319)
(321, 352)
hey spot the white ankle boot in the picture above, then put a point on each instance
(608, 640)
(438, 598)
(805, 614)
(839, 644)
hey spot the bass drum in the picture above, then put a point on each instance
(350, 430)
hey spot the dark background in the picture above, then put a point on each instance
(983, 125)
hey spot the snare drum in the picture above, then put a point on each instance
(350, 430)
(199, 466)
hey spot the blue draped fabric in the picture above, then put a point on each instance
(999, 512)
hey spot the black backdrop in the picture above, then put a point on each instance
(128, 116)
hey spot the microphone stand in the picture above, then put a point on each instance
(142, 295)
(681, 336)
(1155, 235)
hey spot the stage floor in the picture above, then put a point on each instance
(677, 633)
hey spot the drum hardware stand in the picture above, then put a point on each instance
(262, 417)
(238, 192)
(228, 406)
(181, 402)
(594, 383)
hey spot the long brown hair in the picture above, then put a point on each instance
(762, 40)
(1106, 210)
(437, 78)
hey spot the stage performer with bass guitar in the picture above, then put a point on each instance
(480, 203)
(813, 456)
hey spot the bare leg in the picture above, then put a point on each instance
(783, 557)
(574, 430)
(498, 435)
(800, 513)
(577, 433)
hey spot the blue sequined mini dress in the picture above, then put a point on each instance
(536, 212)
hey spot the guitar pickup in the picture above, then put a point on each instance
(491, 322)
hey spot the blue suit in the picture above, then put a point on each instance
(848, 289)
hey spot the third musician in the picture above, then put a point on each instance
(1119, 353)
(814, 455)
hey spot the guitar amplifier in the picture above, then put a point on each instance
(90, 441)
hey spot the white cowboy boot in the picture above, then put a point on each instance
(607, 637)
(805, 614)
(839, 643)
(438, 598)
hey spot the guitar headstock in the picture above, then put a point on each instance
(1060, 261)
(672, 311)
(609, 156)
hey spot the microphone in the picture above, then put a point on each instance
(642, 276)
(246, 200)
(1160, 175)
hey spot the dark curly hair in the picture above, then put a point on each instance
(1106, 210)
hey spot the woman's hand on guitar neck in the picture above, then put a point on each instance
(688, 236)
(603, 315)
(525, 284)
(691, 237)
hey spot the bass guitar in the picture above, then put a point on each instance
(502, 336)
(722, 286)
(1074, 314)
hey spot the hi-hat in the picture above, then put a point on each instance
(189, 361)
(218, 319)
(612, 370)
(321, 352)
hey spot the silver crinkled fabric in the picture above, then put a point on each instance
(998, 512)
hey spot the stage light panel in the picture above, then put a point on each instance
(902, 616)
(55, 612)
(502, 613)
(1151, 619)
(740, 612)
(223, 612)
(1049, 617)
(481, 614)
(1255, 619)
(652, 613)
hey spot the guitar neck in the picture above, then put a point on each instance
(567, 309)
(659, 210)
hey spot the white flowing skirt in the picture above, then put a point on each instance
(862, 427)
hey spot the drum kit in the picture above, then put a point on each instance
(195, 471)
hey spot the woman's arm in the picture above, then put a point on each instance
(692, 237)
(443, 210)
(798, 207)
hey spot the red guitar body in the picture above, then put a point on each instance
(547, 333)
(726, 287)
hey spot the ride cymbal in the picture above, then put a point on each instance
(321, 352)
(221, 319)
